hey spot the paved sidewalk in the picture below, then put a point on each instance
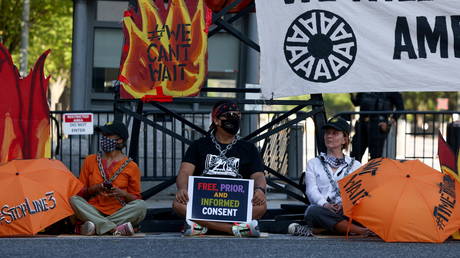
(174, 245)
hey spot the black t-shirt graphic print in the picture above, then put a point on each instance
(221, 166)
(242, 160)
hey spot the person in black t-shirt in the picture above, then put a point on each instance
(372, 130)
(222, 154)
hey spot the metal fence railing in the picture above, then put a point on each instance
(72, 149)
(160, 154)
(413, 137)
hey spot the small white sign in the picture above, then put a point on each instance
(78, 123)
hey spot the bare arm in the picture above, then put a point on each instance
(186, 170)
(259, 181)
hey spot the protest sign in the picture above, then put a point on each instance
(220, 199)
(329, 46)
(165, 49)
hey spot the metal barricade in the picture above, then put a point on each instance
(414, 136)
(160, 155)
(286, 151)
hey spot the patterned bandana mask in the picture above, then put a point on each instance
(333, 161)
(107, 144)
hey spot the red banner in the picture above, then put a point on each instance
(24, 111)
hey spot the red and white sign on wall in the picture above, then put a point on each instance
(78, 123)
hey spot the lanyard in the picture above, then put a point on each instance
(333, 183)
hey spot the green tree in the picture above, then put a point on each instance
(428, 100)
(333, 103)
(337, 102)
(50, 28)
(10, 24)
(419, 101)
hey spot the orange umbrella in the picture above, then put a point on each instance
(34, 194)
(402, 201)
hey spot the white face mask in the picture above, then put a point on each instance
(108, 144)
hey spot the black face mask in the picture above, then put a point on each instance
(231, 125)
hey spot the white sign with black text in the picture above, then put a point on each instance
(78, 123)
(332, 46)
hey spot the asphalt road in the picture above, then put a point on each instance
(174, 245)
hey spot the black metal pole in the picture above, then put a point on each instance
(117, 115)
(178, 117)
(320, 120)
(135, 132)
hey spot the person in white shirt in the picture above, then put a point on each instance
(323, 172)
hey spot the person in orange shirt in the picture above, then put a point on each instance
(110, 201)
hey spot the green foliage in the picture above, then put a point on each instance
(337, 102)
(10, 24)
(420, 101)
(50, 28)
(333, 103)
(428, 100)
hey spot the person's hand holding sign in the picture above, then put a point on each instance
(259, 196)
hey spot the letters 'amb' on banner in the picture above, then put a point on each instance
(165, 49)
(358, 46)
(220, 199)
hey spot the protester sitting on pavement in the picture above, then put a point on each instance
(222, 145)
(323, 172)
(110, 201)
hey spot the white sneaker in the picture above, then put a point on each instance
(88, 228)
(193, 229)
(250, 229)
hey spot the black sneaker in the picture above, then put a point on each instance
(299, 230)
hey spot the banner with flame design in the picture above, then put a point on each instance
(24, 111)
(165, 49)
(450, 164)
